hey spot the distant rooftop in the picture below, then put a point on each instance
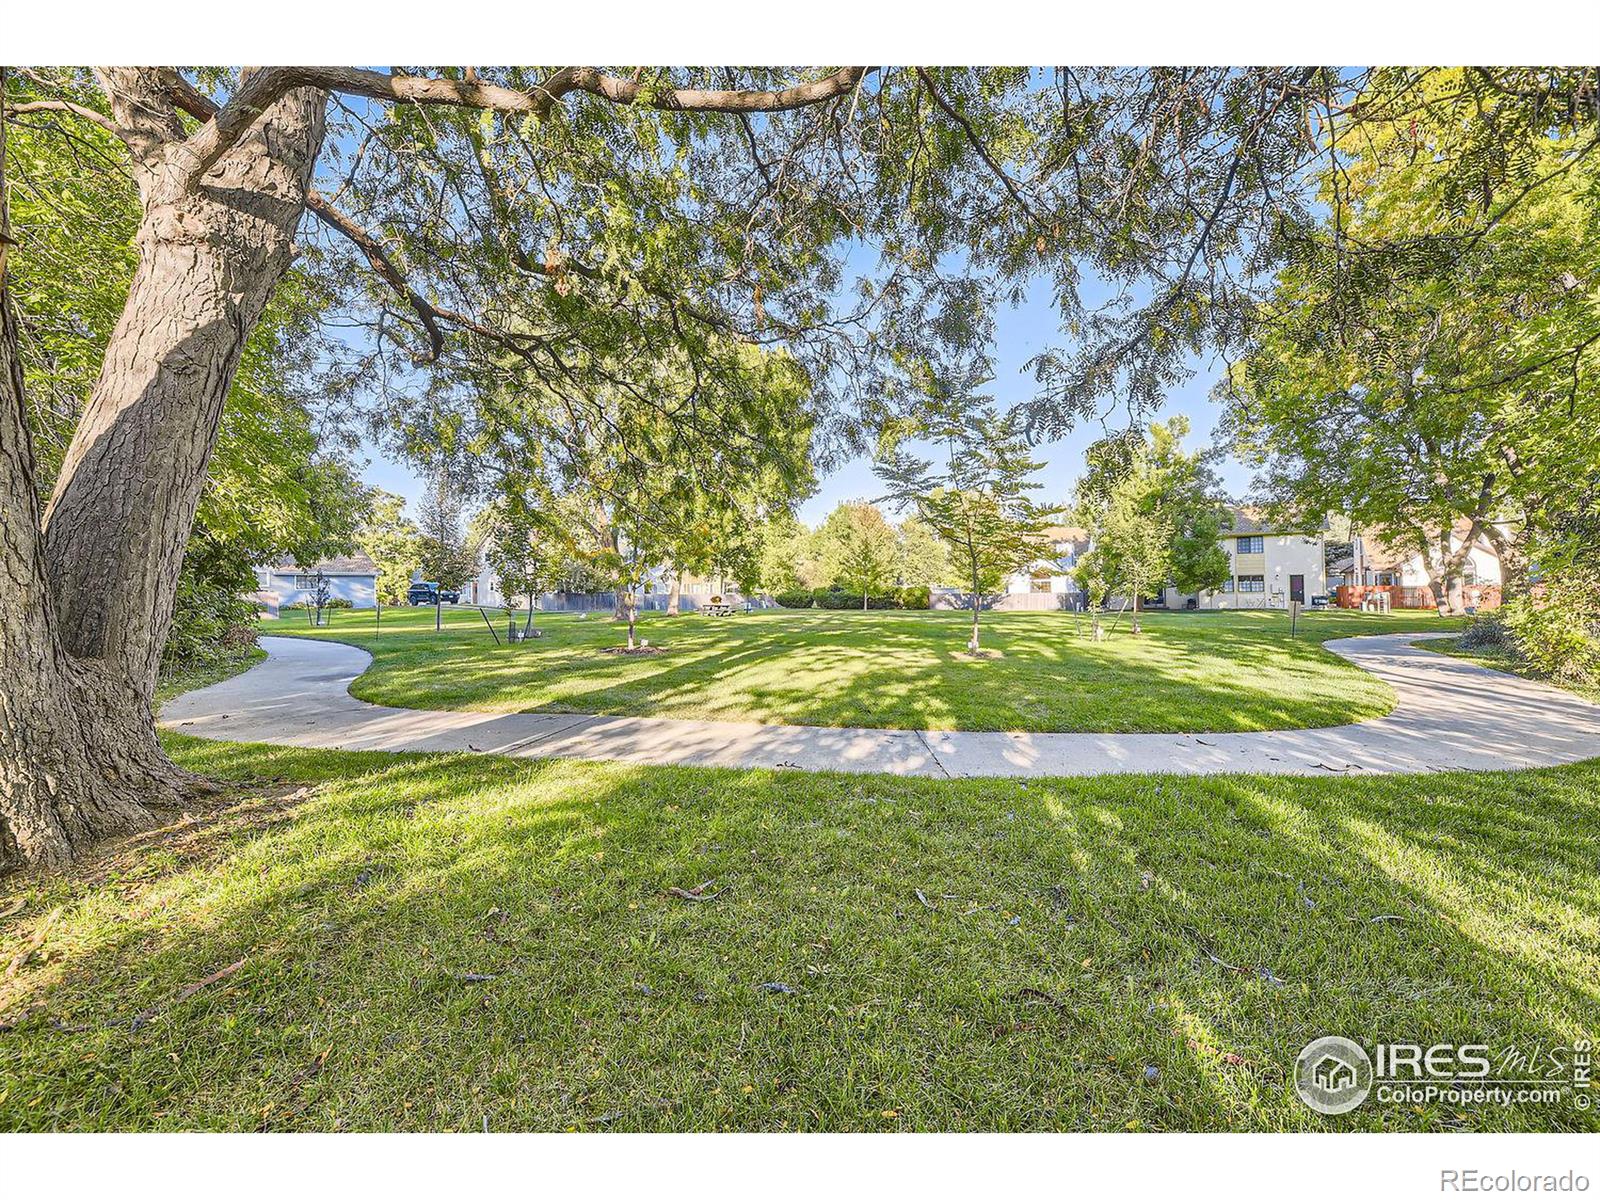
(1249, 518)
(353, 564)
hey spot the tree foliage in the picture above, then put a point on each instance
(393, 542)
(856, 548)
(1428, 359)
(976, 499)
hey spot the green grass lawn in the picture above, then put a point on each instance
(439, 942)
(1189, 672)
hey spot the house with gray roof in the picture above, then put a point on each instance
(353, 577)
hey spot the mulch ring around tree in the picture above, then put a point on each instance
(634, 650)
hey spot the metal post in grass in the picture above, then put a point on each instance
(493, 632)
(438, 608)
(1294, 616)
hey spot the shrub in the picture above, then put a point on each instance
(1487, 633)
(916, 597)
(210, 623)
(338, 602)
(794, 598)
(1558, 638)
(838, 598)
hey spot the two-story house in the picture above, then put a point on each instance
(1269, 566)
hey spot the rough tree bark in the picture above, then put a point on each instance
(95, 576)
(90, 582)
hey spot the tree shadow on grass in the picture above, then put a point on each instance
(900, 670)
(1062, 943)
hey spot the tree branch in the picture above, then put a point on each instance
(267, 85)
(382, 264)
(950, 111)
(77, 110)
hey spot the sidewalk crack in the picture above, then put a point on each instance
(928, 746)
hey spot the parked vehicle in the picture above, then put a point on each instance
(425, 592)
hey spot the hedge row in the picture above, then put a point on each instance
(838, 598)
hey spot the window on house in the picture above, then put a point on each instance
(1039, 581)
(305, 583)
(1227, 587)
(1251, 545)
(1253, 583)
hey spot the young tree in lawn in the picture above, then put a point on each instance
(921, 558)
(526, 547)
(1092, 574)
(394, 544)
(447, 554)
(1134, 545)
(1185, 490)
(977, 501)
(857, 549)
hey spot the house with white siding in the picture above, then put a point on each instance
(1269, 565)
(353, 578)
(1047, 582)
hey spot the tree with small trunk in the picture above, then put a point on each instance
(447, 555)
(977, 502)
(856, 547)
(1133, 545)
(526, 548)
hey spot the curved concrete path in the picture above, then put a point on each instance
(1451, 715)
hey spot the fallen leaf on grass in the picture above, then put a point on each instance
(781, 988)
(698, 893)
(144, 1017)
(12, 909)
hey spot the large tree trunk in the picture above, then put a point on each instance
(675, 593)
(91, 585)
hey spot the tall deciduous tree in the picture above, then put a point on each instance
(921, 558)
(857, 549)
(976, 499)
(1428, 363)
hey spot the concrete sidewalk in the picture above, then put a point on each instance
(1451, 715)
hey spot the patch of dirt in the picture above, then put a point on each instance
(635, 651)
(980, 656)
